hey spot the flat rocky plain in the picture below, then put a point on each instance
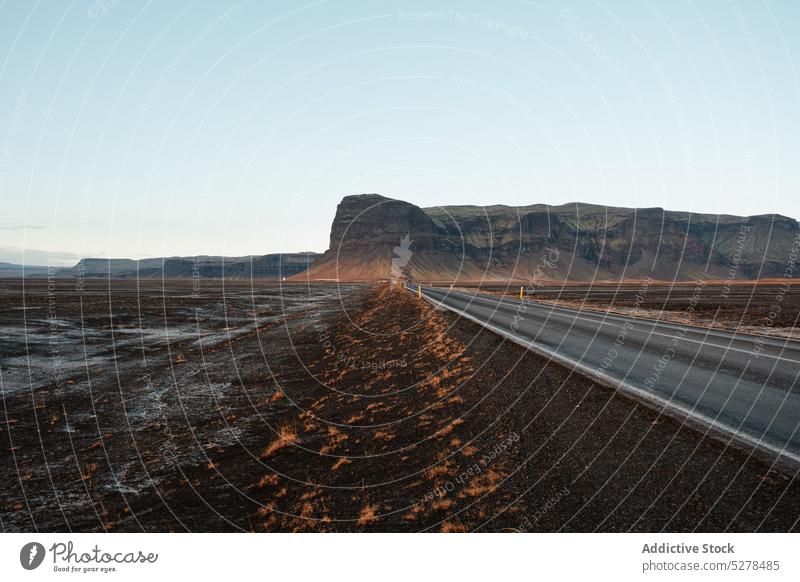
(200, 406)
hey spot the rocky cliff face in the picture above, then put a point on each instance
(569, 242)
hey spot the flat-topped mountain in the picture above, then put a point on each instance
(374, 237)
(15, 270)
(274, 266)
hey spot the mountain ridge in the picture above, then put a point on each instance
(270, 266)
(589, 242)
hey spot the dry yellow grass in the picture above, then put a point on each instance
(450, 427)
(383, 435)
(287, 436)
(335, 438)
(307, 510)
(437, 470)
(355, 418)
(413, 513)
(442, 504)
(271, 480)
(367, 515)
(450, 527)
(340, 463)
(482, 484)
(469, 450)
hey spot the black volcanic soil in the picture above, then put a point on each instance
(333, 409)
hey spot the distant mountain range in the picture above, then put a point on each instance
(374, 237)
(12, 270)
(274, 266)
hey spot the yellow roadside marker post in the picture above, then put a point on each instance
(520, 293)
(419, 292)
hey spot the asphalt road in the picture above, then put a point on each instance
(744, 388)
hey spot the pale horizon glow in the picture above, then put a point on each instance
(232, 129)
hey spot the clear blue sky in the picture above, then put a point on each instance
(134, 129)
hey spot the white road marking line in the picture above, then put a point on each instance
(625, 386)
(578, 315)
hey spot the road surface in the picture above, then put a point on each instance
(743, 387)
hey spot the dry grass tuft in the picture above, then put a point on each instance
(367, 515)
(383, 435)
(450, 527)
(482, 484)
(438, 470)
(450, 427)
(413, 513)
(271, 480)
(355, 418)
(287, 435)
(340, 463)
(442, 504)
